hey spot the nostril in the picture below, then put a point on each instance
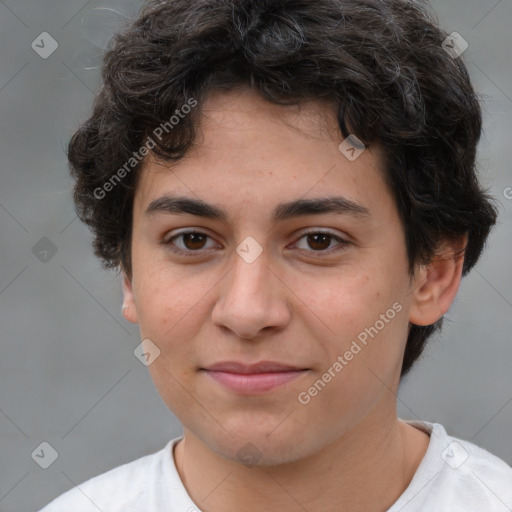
(243, 337)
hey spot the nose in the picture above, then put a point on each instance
(252, 298)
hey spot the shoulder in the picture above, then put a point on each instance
(479, 473)
(125, 488)
(457, 475)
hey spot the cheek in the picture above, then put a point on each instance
(350, 301)
(164, 297)
(367, 319)
(172, 308)
(357, 374)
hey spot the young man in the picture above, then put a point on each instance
(289, 190)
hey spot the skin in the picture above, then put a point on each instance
(293, 304)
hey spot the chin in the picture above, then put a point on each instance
(262, 447)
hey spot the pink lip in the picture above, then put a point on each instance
(255, 378)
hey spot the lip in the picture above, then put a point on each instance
(248, 369)
(253, 379)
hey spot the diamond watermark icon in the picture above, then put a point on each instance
(249, 454)
(455, 455)
(455, 45)
(44, 45)
(44, 250)
(146, 352)
(249, 250)
(351, 148)
(45, 455)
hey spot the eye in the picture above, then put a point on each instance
(191, 242)
(320, 242)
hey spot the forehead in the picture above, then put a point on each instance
(244, 108)
(247, 147)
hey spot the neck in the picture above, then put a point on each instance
(366, 469)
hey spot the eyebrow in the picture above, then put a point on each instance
(283, 211)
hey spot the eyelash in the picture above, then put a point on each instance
(190, 253)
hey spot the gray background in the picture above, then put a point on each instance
(68, 375)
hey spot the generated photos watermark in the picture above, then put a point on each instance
(144, 150)
(455, 45)
(351, 148)
(304, 397)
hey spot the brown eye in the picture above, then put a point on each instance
(319, 241)
(188, 242)
(194, 241)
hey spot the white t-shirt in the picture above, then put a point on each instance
(454, 476)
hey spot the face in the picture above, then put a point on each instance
(320, 293)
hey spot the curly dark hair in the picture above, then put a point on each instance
(381, 62)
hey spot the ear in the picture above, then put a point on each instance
(437, 283)
(129, 309)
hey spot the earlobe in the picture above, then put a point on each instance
(129, 309)
(436, 285)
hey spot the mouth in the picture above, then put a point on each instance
(253, 379)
